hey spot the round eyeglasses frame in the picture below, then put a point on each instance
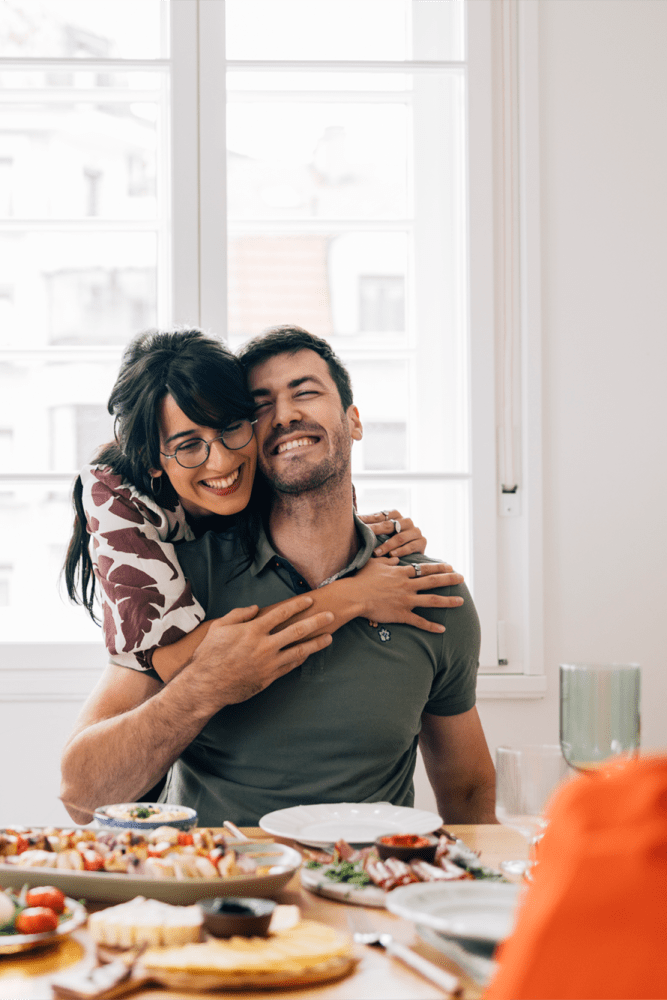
(220, 437)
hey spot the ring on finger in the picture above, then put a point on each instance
(397, 526)
(417, 568)
(385, 512)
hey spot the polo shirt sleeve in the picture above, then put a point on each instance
(454, 684)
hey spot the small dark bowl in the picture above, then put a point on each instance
(425, 852)
(229, 916)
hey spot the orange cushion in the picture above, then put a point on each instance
(593, 922)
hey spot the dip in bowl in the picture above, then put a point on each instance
(232, 916)
(406, 846)
(145, 816)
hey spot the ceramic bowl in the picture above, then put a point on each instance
(128, 816)
(407, 851)
(229, 916)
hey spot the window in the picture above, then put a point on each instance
(84, 249)
(332, 178)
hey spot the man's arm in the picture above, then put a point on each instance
(132, 728)
(459, 767)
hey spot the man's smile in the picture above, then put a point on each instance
(301, 442)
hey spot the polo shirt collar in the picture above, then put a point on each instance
(264, 551)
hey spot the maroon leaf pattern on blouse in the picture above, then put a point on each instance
(128, 540)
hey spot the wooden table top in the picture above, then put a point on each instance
(376, 977)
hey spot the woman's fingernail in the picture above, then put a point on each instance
(379, 550)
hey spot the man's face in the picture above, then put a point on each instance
(304, 437)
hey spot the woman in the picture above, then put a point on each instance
(152, 488)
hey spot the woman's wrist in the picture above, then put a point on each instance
(353, 592)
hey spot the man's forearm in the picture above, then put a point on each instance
(473, 805)
(118, 759)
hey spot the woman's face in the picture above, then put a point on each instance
(223, 483)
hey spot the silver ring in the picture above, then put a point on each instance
(397, 527)
(417, 569)
(385, 512)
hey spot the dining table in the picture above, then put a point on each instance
(375, 976)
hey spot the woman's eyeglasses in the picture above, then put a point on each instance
(195, 451)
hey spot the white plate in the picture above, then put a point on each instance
(478, 911)
(12, 944)
(109, 887)
(315, 880)
(358, 823)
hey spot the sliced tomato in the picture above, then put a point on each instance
(36, 920)
(185, 840)
(46, 895)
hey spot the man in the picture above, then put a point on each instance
(342, 726)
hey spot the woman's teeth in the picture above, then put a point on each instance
(222, 484)
(298, 443)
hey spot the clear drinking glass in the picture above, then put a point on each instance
(599, 712)
(526, 776)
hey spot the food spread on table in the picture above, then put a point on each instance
(146, 941)
(162, 853)
(359, 868)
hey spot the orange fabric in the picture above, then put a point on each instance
(593, 923)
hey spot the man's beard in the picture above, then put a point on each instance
(326, 475)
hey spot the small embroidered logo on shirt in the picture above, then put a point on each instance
(384, 634)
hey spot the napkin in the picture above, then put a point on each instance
(592, 922)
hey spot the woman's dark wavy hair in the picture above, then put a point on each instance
(208, 384)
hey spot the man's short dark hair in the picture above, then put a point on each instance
(289, 340)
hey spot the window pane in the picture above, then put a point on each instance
(30, 565)
(316, 280)
(317, 160)
(53, 413)
(76, 288)
(344, 29)
(101, 154)
(88, 29)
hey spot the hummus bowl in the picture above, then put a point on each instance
(145, 816)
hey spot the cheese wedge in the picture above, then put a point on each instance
(145, 921)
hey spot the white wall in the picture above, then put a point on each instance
(603, 149)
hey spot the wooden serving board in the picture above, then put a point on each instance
(335, 968)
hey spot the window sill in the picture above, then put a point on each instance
(511, 686)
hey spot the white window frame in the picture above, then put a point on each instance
(507, 550)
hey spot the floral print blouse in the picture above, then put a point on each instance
(146, 600)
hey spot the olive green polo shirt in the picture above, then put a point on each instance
(342, 727)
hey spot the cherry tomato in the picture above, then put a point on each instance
(92, 861)
(185, 840)
(46, 895)
(36, 920)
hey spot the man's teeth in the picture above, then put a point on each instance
(298, 443)
(222, 484)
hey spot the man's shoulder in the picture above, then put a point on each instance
(461, 623)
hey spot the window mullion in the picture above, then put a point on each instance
(212, 168)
